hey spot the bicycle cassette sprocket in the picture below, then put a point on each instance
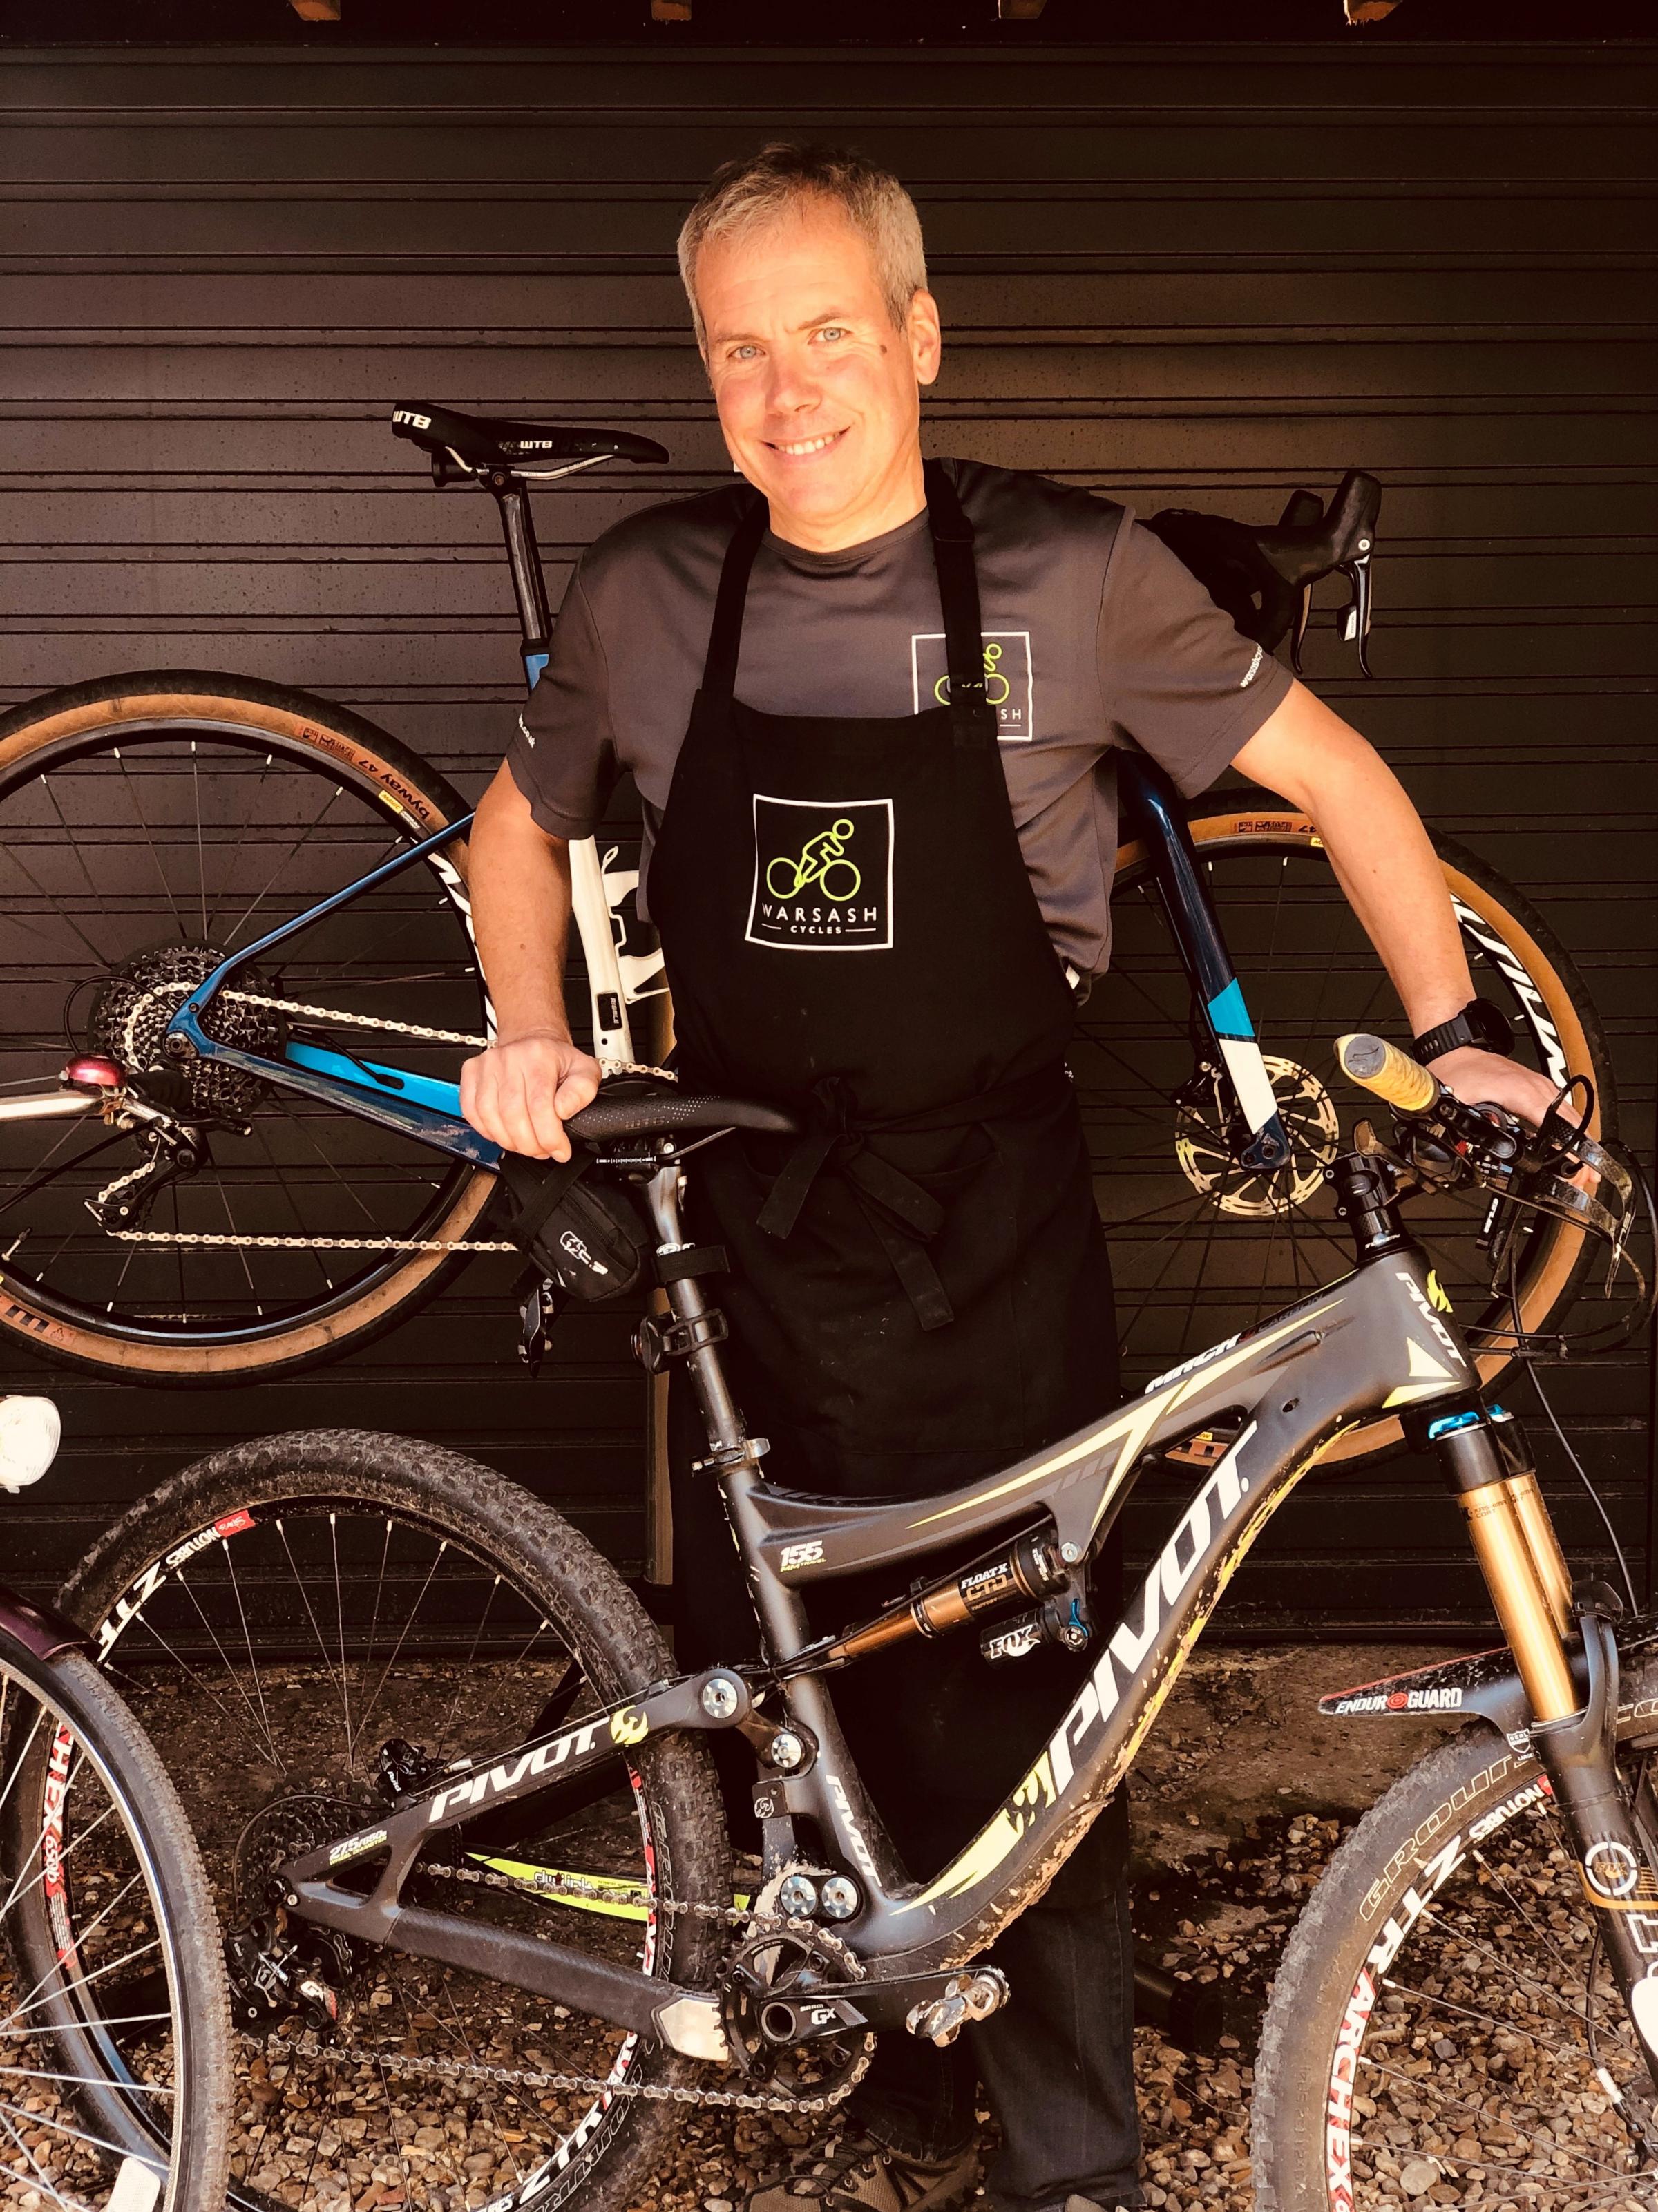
(131, 1011)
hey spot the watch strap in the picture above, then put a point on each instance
(1479, 1023)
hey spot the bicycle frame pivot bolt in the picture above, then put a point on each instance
(719, 1698)
(839, 1898)
(797, 1898)
(787, 1751)
(1071, 1553)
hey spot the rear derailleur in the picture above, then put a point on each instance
(278, 1974)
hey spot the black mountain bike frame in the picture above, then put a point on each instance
(1379, 1339)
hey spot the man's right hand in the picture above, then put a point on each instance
(519, 1094)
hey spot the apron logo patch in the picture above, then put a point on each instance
(1009, 684)
(822, 874)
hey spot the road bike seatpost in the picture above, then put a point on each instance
(512, 497)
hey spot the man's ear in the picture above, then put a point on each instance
(926, 343)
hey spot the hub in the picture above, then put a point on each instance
(1205, 1148)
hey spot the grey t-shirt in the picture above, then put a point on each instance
(1097, 638)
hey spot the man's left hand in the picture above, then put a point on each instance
(1486, 1078)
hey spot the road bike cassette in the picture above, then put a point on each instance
(1206, 1133)
(787, 1961)
(132, 1008)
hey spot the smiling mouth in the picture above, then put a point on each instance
(804, 446)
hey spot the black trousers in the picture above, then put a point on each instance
(941, 1739)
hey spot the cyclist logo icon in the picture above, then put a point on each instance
(822, 863)
(996, 687)
(822, 874)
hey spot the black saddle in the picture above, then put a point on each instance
(523, 449)
(659, 1110)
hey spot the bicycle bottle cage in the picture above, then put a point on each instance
(1264, 579)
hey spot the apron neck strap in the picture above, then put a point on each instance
(726, 636)
(972, 718)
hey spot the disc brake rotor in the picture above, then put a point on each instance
(1206, 1158)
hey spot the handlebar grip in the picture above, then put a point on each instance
(1402, 1082)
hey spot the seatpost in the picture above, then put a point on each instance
(523, 556)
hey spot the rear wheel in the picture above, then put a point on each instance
(149, 825)
(1201, 1249)
(308, 1623)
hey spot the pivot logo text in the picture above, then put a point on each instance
(512, 1772)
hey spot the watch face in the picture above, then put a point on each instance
(1490, 1025)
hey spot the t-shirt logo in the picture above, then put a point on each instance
(822, 874)
(1008, 683)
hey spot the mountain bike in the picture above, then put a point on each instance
(114, 2021)
(463, 1815)
(186, 855)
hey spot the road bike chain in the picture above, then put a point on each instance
(224, 1238)
(310, 2045)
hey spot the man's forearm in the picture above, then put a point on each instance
(1377, 846)
(518, 879)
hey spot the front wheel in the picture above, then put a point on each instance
(114, 2024)
(1444, 2028)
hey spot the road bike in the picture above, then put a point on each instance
(114, 2019)
(186, 854)
(462, 1813)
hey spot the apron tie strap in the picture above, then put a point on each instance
(904, 1217)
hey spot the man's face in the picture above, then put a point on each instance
(819, 396)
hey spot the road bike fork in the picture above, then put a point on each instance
(1489, 1469)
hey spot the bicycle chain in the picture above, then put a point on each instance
(310, 2045)
(224, 1238)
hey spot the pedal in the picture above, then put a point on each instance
(539, 1310)
(968, 1998)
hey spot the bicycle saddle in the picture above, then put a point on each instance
(475, 442)
(657, 1112)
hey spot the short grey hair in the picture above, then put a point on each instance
(755, 191)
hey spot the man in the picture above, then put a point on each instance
(870, 705)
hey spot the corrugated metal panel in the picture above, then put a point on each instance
(1193, 275)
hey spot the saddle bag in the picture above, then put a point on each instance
(589, 1236)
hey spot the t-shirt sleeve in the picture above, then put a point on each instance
(562, 753)
(1176, 677)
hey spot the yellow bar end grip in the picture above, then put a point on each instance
(1404, 1083)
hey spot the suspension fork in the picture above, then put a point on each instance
(1488, 1466)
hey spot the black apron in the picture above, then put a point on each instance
(919, 1287)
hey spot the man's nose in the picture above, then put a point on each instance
(792, 389)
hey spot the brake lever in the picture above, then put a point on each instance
(1303, 615)
(1355, 617)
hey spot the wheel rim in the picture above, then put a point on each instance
(91, 2028)
(1481, 2037)
(313, 1632)
(123, 841)
(1194, 1265)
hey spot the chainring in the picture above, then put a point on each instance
(131, 1010)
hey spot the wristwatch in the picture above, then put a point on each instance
(1479, 1023)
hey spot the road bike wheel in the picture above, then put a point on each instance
(148, 823)
(1201, 1249)
(1443, 2028)
(114, 2024)
(292, 1619)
